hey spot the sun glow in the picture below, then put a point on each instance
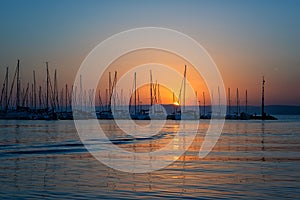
(176, 103)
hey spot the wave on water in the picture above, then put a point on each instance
(68, 147)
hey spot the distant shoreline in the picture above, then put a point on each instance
(279, 109)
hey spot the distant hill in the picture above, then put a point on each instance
(269, 109)
(274, 110)
(283, 110)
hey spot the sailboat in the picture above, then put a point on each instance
(183, 113)
(138, 113)
(156, 111)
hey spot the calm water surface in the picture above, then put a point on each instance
(252, 159)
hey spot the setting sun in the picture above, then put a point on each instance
(176, 103)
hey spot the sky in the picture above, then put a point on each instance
(246, 39)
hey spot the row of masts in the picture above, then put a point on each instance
(155, 97)
(237, 105)
(182, 96)
(49, 99)
(32, 96)
(230, 111)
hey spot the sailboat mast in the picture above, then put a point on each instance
(246, 102)
(100, 101)
(204, 103)
(34, 90)
(6, 90)
(158, 95)
(219, 100)
(40, 97)
(135, 93)
(114, 89)
(151, 95)
(31, 96)
(55, 98)
(80, 94)
(47, 87)
(263, 114)
(66, 98)
(229, 101)
(184, 86)
(18, 85)
(237, 102)
(138, 100)
(109, 90)
(106, 99)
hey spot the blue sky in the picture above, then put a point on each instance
(247, 39)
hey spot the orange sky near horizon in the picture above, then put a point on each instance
(149, 59)
(148, 56)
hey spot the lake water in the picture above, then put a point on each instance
(252, 159)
